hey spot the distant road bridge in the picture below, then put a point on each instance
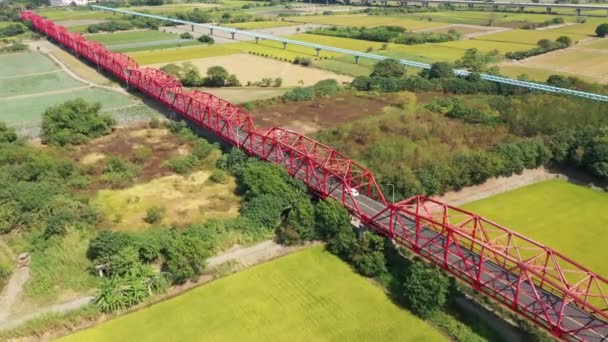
(495, 4)
(358, 54)
(537, 282)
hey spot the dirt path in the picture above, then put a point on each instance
(243, 256)
(12, 291)
(43, 48)
(498, 185)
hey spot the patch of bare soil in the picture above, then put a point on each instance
(125, 143)
(311, 116)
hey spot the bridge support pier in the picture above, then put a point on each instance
(403, 3)
(356, 59)
(232, 34)
(425, 4)
(470, 5)
(548, 10)
(211, 31)
(192, 28)
(521, 9)
(578, 12)
(284, 45)
(318, 51)
(495, 8)
(257, 39)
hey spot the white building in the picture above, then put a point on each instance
(69, 2)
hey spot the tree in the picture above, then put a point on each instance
(368, 257)
(106, 244)
(190, 75)
(477, 61)
(440, 70)
(217, 76)
(426, 289)
(184, 257)
(559, 81)
(544, 44)
(7, 134)
(388, 68)
(261, 178)
(601, 30)
(75, 122)
(172, 69)
(330, 217)
(300, 225)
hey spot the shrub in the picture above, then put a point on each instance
(181, 164)
(119, 173)
(601, 30)
(303, 61)
(299, 94)
(74, 122)
(219, 176)
(154, 215)
(388, 68)
(206, 39)
(142, 154)
(326, 87)
(7, 134)
(186, 35)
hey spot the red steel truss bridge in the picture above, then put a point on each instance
(544, 286)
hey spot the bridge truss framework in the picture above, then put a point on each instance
(531, 279)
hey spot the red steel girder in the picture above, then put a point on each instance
(532, 279)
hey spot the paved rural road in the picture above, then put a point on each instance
(245, 256)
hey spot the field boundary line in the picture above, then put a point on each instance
(54, 92)
(32, 74)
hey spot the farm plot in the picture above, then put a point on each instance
(40, 83)
(486, 46)
(253, 25)
(570, 218)
(308, 296)
(24, 64)
(506, 19)
(249, 68)
(584, 63)
(368, 21)
(140, 40)
(601, 44)
(587, 28)
(182, 53)
(126, 37)
(27, 111)
(530, 37)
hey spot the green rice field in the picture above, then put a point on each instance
(28, 111)
(569, 218)
(307, 296)
(368, 21)
(508, 19)
(23, 85)
(130, 37)
(601, 44)
(252, 25)
(25, 63)
(183, 53)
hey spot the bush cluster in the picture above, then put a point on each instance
(323, 88)
(395, 34)
(554, 21)
(206, 39)
(12, 30)
(131, 23)
(544, 46)
(188, 74)
(303, 61)
(75, 122)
